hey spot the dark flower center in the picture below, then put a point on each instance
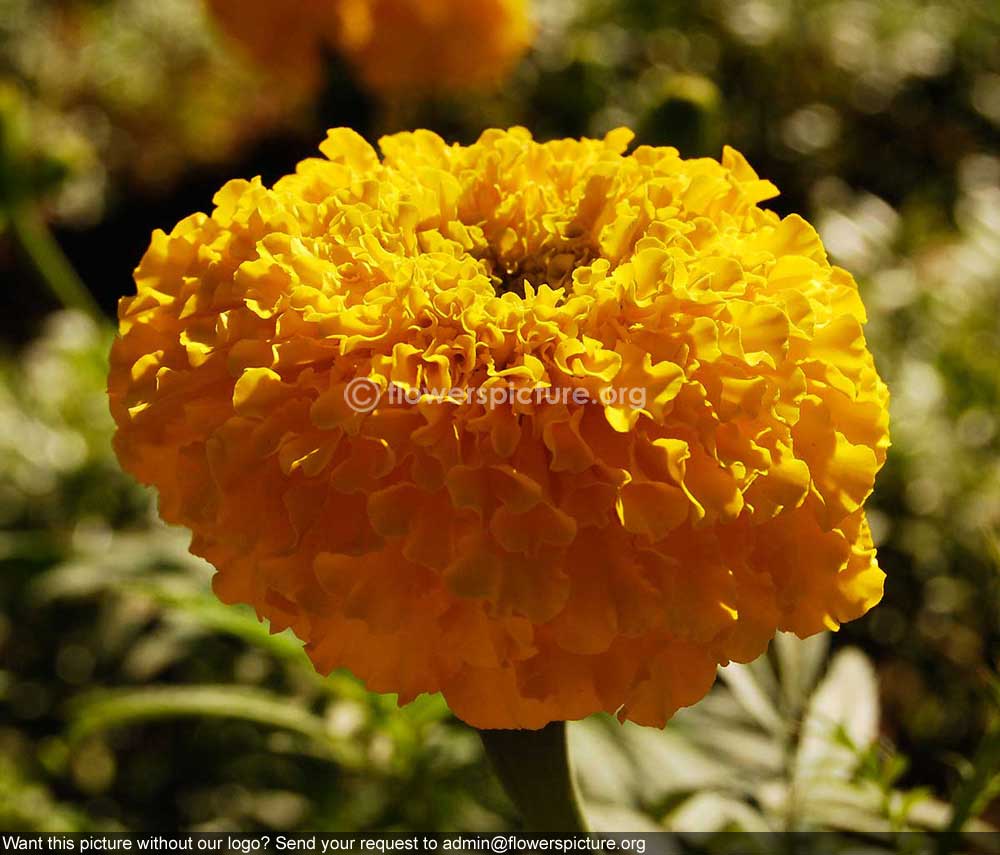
(552, 266)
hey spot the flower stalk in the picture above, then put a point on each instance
(43, 251)
(535, 770)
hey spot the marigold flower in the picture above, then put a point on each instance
(533, 560)
(286, 38)
(394, 45)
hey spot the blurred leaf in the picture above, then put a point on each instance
(610, 819)
(27, 806)
(799, 662)
(979, 788)
(709, 812)
(752, 696)
(99, 711)
(845, 703)
(752, 757)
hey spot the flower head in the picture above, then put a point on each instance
(286, 38)
(394, 45)
(533, 557)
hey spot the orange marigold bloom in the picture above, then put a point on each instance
(286, 38)
(533, 559)
(393, 45)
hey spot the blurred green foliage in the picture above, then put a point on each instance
(130, 698)
(143, 90)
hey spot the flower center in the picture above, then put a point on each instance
(550, 265)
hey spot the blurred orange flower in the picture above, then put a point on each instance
(393, 45)
(286, 38)
(532, 557)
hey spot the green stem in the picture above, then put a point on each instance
(535, 770)
(52, 266)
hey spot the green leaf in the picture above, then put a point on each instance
(982, 786)
(605, 766)
(750, 692)
(104, 710)
(845, 704)
(710, 812)
(800, 661)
